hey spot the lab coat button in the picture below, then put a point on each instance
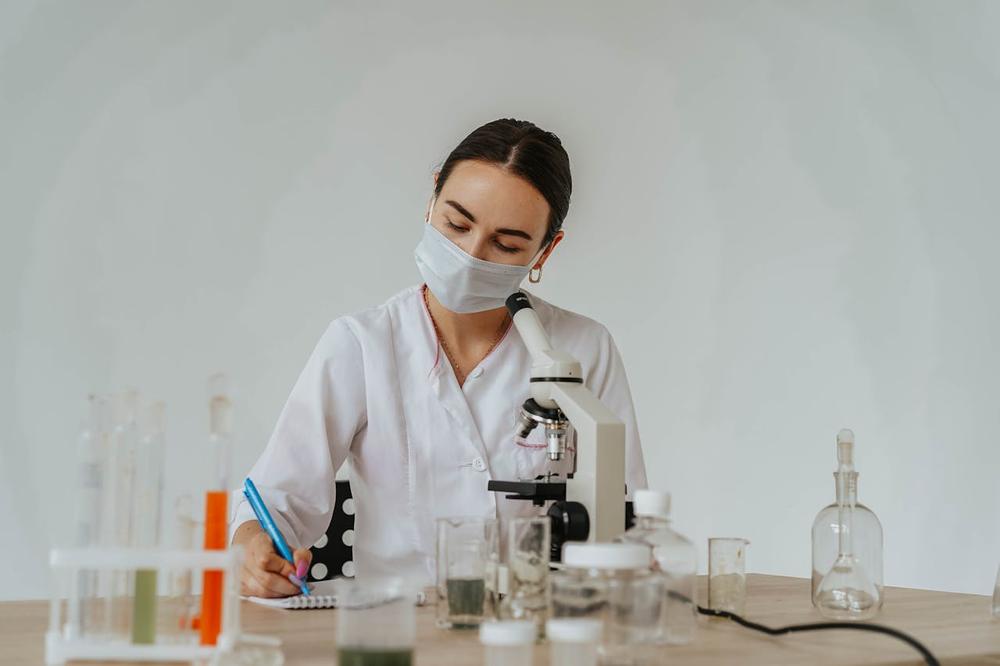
(479, 465)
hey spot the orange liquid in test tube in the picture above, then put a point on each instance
(212, 580)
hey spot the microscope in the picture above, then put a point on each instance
(590, 504)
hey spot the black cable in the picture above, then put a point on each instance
(815, 626)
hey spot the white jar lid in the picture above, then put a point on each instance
(574, 629)
(507, 632)
(606, 555)
(651, 503)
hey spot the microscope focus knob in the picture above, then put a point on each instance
(570, 522)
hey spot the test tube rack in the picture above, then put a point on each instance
(62, 643)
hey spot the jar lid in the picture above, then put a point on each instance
(507, 632)
(606, 555)
(651, 503)
(574, 629)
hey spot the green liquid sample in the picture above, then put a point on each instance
(466, 596)
(374, 657)
(144, 610)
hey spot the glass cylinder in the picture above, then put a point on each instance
(508, 642)
(573, 641)
(376, 623)
(612, 583)
(727, 580)
(528, 554)
(465, 548)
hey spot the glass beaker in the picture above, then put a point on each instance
(375, 621)
(465, 548)
(727, 580)
(528, 553)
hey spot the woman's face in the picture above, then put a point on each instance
(492, 214)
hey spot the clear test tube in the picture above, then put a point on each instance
(120, 493)
(727, 580)
(182, 605)
(86, 610)
(146, 529)
(216, 504)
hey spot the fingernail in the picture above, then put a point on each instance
(295, 580)
(301, 568)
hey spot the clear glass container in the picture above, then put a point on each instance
(847, 525)
(466, 547)
(727, 574)
(376, 623)
(996, 597)
(508, 642)
(573, 641)
(528, 553)
(674, 556)
(613, 583)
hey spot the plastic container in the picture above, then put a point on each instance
(376, 623)
(508, 642)
(674, 556)
(573, 641)
(613, 583)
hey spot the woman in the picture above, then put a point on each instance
(420, 393)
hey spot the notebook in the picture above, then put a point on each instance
(321, 597)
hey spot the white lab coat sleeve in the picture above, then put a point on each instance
(610, 384)
(296, 473)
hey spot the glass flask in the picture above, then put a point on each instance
(674, 556)
(847, 547)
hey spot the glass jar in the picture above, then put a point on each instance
(466, 549)
(613, 583)
(376, 623)
(573, 641)
(508, 642)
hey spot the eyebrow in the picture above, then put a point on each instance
(504, 230)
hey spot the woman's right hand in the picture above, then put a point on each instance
(265, 573)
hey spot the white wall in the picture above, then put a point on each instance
(785, 212)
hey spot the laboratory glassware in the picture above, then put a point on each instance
(465, 547)
(727, 580)
(674, 556)
(850, 588)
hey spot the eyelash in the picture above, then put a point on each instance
(499, 246)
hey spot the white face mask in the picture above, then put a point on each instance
(461, 282)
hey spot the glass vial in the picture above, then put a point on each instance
(727, 575)
(508, 642)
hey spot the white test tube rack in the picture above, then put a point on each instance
(62, 645)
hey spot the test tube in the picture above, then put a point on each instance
(463, 551)
(183, 607)
(996, 597)
(376, 623)
(86, 611)
(528, 552)
(727, 581)
(216, 500)
(120, 495)
(148, 495)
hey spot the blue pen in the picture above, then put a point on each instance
(265, 520)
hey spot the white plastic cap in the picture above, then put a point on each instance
(606, 555)
(574, 630)
(653, 503)
(503, 633)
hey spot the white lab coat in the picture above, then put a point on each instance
(379, 391)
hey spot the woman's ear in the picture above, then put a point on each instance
(552, 245)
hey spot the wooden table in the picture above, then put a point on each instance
(958, 629)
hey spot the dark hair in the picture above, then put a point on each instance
(525, 150)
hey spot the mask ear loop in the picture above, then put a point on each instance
(532, 278)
